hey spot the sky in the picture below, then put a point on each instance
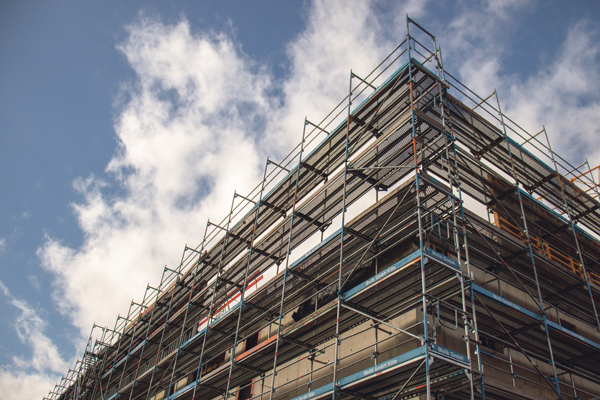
(124, 126)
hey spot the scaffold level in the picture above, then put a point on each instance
(418, 245)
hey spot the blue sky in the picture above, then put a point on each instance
(125, 125)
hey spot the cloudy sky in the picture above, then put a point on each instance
(125, 125)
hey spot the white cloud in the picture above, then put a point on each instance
(21, 385)
(30, 377)
(30, 330)
(34, 280)
(339, 36)
(563, 97)
(478, 38)
(558, 95)
(185, 142)
(2, 245)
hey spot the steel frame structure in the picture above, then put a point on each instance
(414, 296)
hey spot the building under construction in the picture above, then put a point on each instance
(417, 243)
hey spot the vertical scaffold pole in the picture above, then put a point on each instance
(81, 371)
(419, 216)
(158, 292)
(287, 263)
(162, 335)
(594, 183)
(121, 336)
(129, 349)
(478, 349)
(98, 380)
(456, 182)
(336, 358)
(131, 343)
(574, 229)
(117, 351)
(102, 368)
(135, 327)
(98, 384)
(149, 325)
(189, 302)
(532, 258)
(103, 393)
(244, 287)
(213, 296)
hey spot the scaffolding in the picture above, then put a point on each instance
(416, 295)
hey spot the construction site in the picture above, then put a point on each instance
(417, 243)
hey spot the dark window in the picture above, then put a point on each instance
(245, 391)
(569, 326)
(488, 342)
(252, 341)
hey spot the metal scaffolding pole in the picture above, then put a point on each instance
(162, 336)
(212, 301)
(122, 335)
(526, 231)
(341, 264)
(98, 383)
(130, 347)
(419, 215)
(149, 325)
(287, 264)
(245, 284)
(574, 230)
(189, 302)
(456, 183)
